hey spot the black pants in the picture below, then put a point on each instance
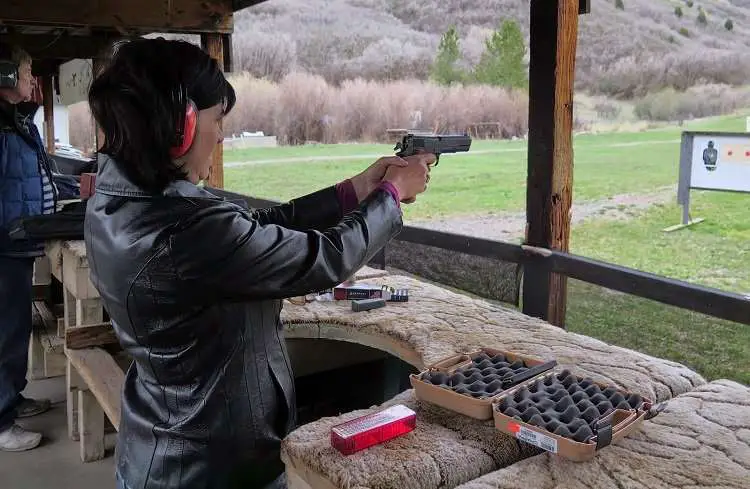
(15, 332)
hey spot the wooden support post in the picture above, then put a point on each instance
(97, 64)
(48, 101)
(554, 32)
(213, 44)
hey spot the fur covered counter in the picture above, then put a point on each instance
(437, 323)
(448, 449)
(702, 440)
(445, 450)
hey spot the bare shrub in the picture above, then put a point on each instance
(306, 108)
(362, 110)
(386, 59)
(607, 111)
(699, 101)
(256, 105)
(481, 104)
(303, 108)
(636, 76)
(264, 55)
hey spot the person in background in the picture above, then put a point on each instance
(194, 284)
(26, 189)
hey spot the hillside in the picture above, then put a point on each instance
(387, 39)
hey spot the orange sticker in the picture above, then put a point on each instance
(514, 427)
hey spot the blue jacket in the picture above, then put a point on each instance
(23, 158)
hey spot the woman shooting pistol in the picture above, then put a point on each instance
(193, 284)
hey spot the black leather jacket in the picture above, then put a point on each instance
(193, 285)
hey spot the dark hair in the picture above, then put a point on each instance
(139, 102)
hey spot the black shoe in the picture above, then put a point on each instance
(32, 407)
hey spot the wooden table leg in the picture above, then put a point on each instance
(90, 426)
(74, 383)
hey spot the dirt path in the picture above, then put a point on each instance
(509, 226)
(302, 159)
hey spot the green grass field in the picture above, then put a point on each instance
(492, 177)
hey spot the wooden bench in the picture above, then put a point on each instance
(46, 355)
(97, 377)
(82, 306)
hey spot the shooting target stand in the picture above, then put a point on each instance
(717, 161)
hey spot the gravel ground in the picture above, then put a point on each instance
(509, 226)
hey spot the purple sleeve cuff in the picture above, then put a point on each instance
(347, 196)
(388, 187)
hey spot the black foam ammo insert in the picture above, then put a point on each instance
(485, 377)
(565, 405)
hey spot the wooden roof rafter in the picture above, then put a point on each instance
(61, 44)
(134, 16)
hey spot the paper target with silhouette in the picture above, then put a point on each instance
(711, 161)
(721, 162)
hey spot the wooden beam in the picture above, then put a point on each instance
(61, 47)
(46, 67)
(98, 371)
(97, 64)
(553, 41)
(213, 44)
(226, 43)
(131, 16)
(48, 102)
(241, 4)
(78, 337)
(705, 300)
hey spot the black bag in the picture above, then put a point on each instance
(66, 224)
(68, 186)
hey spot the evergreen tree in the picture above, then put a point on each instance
(702, 19)
(502, 63)
(444, 69)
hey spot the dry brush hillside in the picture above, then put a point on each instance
(386, 39)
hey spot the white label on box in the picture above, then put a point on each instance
(534, 438)
(374, 420)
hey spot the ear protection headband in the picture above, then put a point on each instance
(186, 120)
(8, 74)
(187, 125)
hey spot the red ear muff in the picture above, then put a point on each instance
(188, 132)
